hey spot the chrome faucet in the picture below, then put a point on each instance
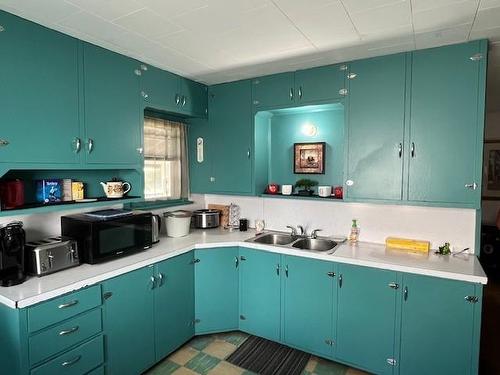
(294, 231)
(303, 233)
(314, 233)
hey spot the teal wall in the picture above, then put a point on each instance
(286, 129)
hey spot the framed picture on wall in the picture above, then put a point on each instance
(491, 169)
(309, 158)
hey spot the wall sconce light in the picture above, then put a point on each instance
(309, 129)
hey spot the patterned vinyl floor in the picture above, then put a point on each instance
(205, 355)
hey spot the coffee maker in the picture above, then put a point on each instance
(12, 240)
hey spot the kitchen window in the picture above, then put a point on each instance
(165, 160)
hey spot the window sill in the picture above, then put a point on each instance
(152, 205)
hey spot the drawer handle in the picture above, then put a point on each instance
(69, 304)
(69, 331)
(71, 362)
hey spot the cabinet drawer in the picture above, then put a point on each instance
(61, 308)
(78, 361)
(62, 336)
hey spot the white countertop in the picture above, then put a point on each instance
(38, 289)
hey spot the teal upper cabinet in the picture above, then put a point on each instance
(174, 303)
(193, 98)
(216, 289)
(169, 92)
(129, 322)
(446, 124)
(325, 83)
(159, 88)
(39, 95)
(437, 326)
(309, 296)
(376, 116)
(260, 291)
(273, 91)
(366, 318)
(112, 107)
(232, 133)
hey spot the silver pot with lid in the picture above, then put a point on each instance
(206, 218)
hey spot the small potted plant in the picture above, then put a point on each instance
(305, 186)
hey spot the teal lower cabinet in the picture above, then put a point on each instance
(129, 322)
(174, 304)
(366, 322)
(260, 293)
(309, 298)
(439, 326)
(216, 289)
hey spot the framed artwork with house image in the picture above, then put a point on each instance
(491, 170)
(309, 158)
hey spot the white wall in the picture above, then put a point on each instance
(376, 221)
(38, 226)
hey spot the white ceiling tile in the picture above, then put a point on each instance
(433, 19)
(421, 5)
(382, 18)
(354, 6)
(171, 9)
(487, 19)
(148, 24)
(325, 23)
(492, 34)
(485, 4)
(108, 9)
(46, 11)
(435, 38)
(92, 25)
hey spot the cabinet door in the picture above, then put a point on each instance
(129, 322)
(231, 125)
(174, 303)
(200, 162)
(309, 297)
(39, 94)
(216, 290)
(272, 91)
(436, 326)
(260, 293)
(376, 115)
(160, 89)
(193, 98)
(366, 317)
(445, 124)
(320, 84)
(112, 107)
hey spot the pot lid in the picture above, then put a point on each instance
(178, 213)
(206, 211)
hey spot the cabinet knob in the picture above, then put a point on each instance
(3, 142)
(144, 95)
(476, 57)
(351, 75)
(177, 99)
(140, 150)
(349, 182)
(343, 67)
(184, 100)
(77, 144)
(144, 67)
(90, 145)
(137, 72)
(212, 179)
(256, 102)
(291, 94)
(343, 92)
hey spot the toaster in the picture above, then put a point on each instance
(50, 255)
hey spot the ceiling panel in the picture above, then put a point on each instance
(223, 40)
(109, 9)
(382, 18)
(147, 23)
(432, 19)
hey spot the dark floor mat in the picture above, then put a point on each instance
(269, 358)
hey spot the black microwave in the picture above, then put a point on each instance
(108, 234)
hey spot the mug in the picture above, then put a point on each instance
(286, 189)
(324, 191)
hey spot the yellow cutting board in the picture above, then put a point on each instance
(408, 244)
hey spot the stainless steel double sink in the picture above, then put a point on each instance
(295, 242)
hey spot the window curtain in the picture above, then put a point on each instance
(166, 174)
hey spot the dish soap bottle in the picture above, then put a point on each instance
(354, 234)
